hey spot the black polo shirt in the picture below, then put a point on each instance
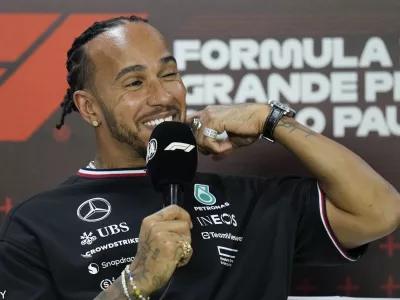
(73, 241)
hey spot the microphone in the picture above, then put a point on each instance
(171, 160)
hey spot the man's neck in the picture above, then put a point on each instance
(118, 163)
(114, 156)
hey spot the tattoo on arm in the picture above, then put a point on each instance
(157, 280)
(156, 252)
(292, 125)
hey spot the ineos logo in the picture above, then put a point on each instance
(94, 210)
(222, 219)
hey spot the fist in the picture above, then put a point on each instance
(243, 123)
(161, 248)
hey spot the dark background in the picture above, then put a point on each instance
(34, 162)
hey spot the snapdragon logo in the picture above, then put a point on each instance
(117, 262)
(95, 269)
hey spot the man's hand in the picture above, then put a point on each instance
(159, 250)
(159, 253)
(243, 124)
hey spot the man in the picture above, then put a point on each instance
(235, 238)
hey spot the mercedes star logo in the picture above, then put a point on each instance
(94, 210)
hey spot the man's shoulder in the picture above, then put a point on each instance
(228, 178)
(279, 185)
(54, 194)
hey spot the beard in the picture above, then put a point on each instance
(123, 134)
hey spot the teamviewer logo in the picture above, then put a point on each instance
(206, 235)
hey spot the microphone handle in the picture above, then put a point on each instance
(173, 195)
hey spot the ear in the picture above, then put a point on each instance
(88, 107)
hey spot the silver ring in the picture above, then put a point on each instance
(211, 133)
(196, 124)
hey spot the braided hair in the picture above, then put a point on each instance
(79, 65)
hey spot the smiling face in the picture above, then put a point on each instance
(136, 84)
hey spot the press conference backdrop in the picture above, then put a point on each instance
(335, 61)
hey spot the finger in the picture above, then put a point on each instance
(203, 150)
(181, 259)
(222, 155)
(176, 237)
(185, 261)
(189, 118)
(177, 226)
(215, 146)
(170, 213)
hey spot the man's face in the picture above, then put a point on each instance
(137, 83)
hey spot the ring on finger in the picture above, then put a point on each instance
(211, 133)
(187, 249)
(196, 124)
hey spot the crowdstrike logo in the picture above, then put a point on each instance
(108, 246)
(94, 210)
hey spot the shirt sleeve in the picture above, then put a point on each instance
(316, 243)
(23, 273)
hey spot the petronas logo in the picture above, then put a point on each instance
(203, 195)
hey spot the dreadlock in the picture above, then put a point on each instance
(79, 65)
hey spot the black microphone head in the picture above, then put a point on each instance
(171, 155)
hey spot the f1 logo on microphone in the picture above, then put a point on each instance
(179, 146)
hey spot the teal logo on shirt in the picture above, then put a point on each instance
(203, 195)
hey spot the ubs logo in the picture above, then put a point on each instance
(89, 238)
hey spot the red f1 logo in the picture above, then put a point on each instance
(32, 67)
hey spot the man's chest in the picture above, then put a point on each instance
(105, 234)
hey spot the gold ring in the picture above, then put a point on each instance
(187, 249)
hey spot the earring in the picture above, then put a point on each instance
(95, 123)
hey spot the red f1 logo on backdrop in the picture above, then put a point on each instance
(32, 67)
